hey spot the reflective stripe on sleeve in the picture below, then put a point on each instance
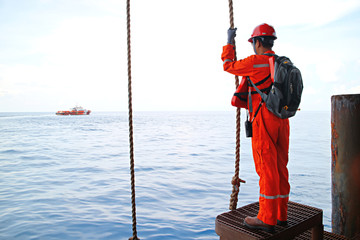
(227, 60)
(261, 65)
(274, 197)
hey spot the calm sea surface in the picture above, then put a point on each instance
(67, 177)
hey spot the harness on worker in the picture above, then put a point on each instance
(284, 98)
(248, 122)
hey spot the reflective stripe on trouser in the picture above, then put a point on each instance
(270, 145)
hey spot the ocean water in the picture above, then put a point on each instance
(68, 177)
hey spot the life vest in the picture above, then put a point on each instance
(240, 97)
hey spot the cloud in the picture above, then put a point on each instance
(355, 90)
(306, 12)
(82, 41)
(339, 89)
(17, 79)
(309, 91)
(328, 67)
(83, 58)
(176, 47)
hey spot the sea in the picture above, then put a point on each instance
(68, 177)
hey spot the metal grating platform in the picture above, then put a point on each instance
(304, 222)
(328, 236)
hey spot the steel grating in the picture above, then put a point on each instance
(301, 219)
(327, 236)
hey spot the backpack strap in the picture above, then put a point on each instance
(270, 54)
(261, 92)
(272, 64)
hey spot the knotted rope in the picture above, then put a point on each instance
(132, 162)
(235, 180)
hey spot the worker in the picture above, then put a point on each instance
(270, 134)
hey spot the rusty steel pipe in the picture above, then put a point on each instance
(345, 164)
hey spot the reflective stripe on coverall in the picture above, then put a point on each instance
(270, 141)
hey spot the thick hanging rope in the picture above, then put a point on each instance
(132, 162)
(235, 180)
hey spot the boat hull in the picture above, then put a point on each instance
(74, 112)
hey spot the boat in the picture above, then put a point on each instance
(77, 110)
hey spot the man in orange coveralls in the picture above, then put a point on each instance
(270, 141)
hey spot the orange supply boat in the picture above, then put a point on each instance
(77, 110)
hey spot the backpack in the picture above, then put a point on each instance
(284, 98)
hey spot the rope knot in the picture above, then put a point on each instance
(236, 181)
(236, 188)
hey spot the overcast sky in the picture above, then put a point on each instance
(55, 54)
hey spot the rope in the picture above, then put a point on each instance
(132, 162)
(235, 180)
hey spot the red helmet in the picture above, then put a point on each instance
(263, 30)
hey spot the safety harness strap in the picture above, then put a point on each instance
(261, 92)
(239, 94)
(264, 90)
(256, 112)
(262, 81)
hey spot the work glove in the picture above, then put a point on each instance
(231, 35)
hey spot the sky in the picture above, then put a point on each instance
(55, 54)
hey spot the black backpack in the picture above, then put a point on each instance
(284, 98)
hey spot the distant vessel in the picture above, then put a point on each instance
(77, 110)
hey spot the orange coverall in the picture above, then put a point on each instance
(270, 141)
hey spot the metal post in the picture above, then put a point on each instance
(345, 165)
(317, 232)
